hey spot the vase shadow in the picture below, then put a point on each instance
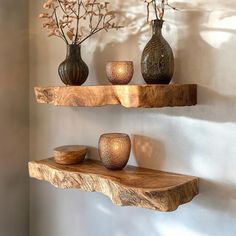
(148, 152)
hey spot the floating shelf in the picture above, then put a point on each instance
(146, 96)
(132, 186)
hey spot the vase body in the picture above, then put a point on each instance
(73, 70)
(157, 63)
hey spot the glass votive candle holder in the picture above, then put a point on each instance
(114, 150)
(120, 72)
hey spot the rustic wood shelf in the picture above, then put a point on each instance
(132, 186)
(146, 96)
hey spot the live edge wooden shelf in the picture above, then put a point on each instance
(143, 96)
(132, 186)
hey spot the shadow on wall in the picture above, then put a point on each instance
(222, 196)
(196, 62)
(111, 53)
(148, 152)
(212, 106)
(215, 198)
(199, 57)
(196, 59)
(210, 67)
(123, 44)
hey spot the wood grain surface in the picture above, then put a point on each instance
(67, 155)
(146, 96)
(132, 186)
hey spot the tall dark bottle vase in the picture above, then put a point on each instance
(157, 62)
(73, 70)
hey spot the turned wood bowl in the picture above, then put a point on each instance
(69, 155)
(114, 150)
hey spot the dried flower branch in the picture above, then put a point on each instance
(74, 21)
(159, 7)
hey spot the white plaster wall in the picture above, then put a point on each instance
(198, 140)
(14, 121)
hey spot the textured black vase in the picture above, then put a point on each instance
(157, 63)
(73, 71)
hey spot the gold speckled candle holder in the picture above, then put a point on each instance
(114, 150)
(120, 72)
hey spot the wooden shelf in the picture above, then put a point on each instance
(146, 96)
(132, 186)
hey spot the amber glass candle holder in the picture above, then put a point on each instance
(114, 150)
(120, 72)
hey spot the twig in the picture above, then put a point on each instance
(75, 13)
(170, 6)
(159, 8)
(162, 9)
(155, 7)
(77, 23)
(58, 25)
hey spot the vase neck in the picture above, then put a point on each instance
(73, 50)
(157, 27)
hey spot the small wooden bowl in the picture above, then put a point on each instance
(69, 155)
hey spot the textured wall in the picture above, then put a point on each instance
(14, 119)
(197, 141)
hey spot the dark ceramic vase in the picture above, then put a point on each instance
(73, 70)
(157, 63)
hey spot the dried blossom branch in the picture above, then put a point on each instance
(159, 7)
(75, 21)
(154, 3)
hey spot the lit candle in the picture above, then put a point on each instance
(120, 72)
